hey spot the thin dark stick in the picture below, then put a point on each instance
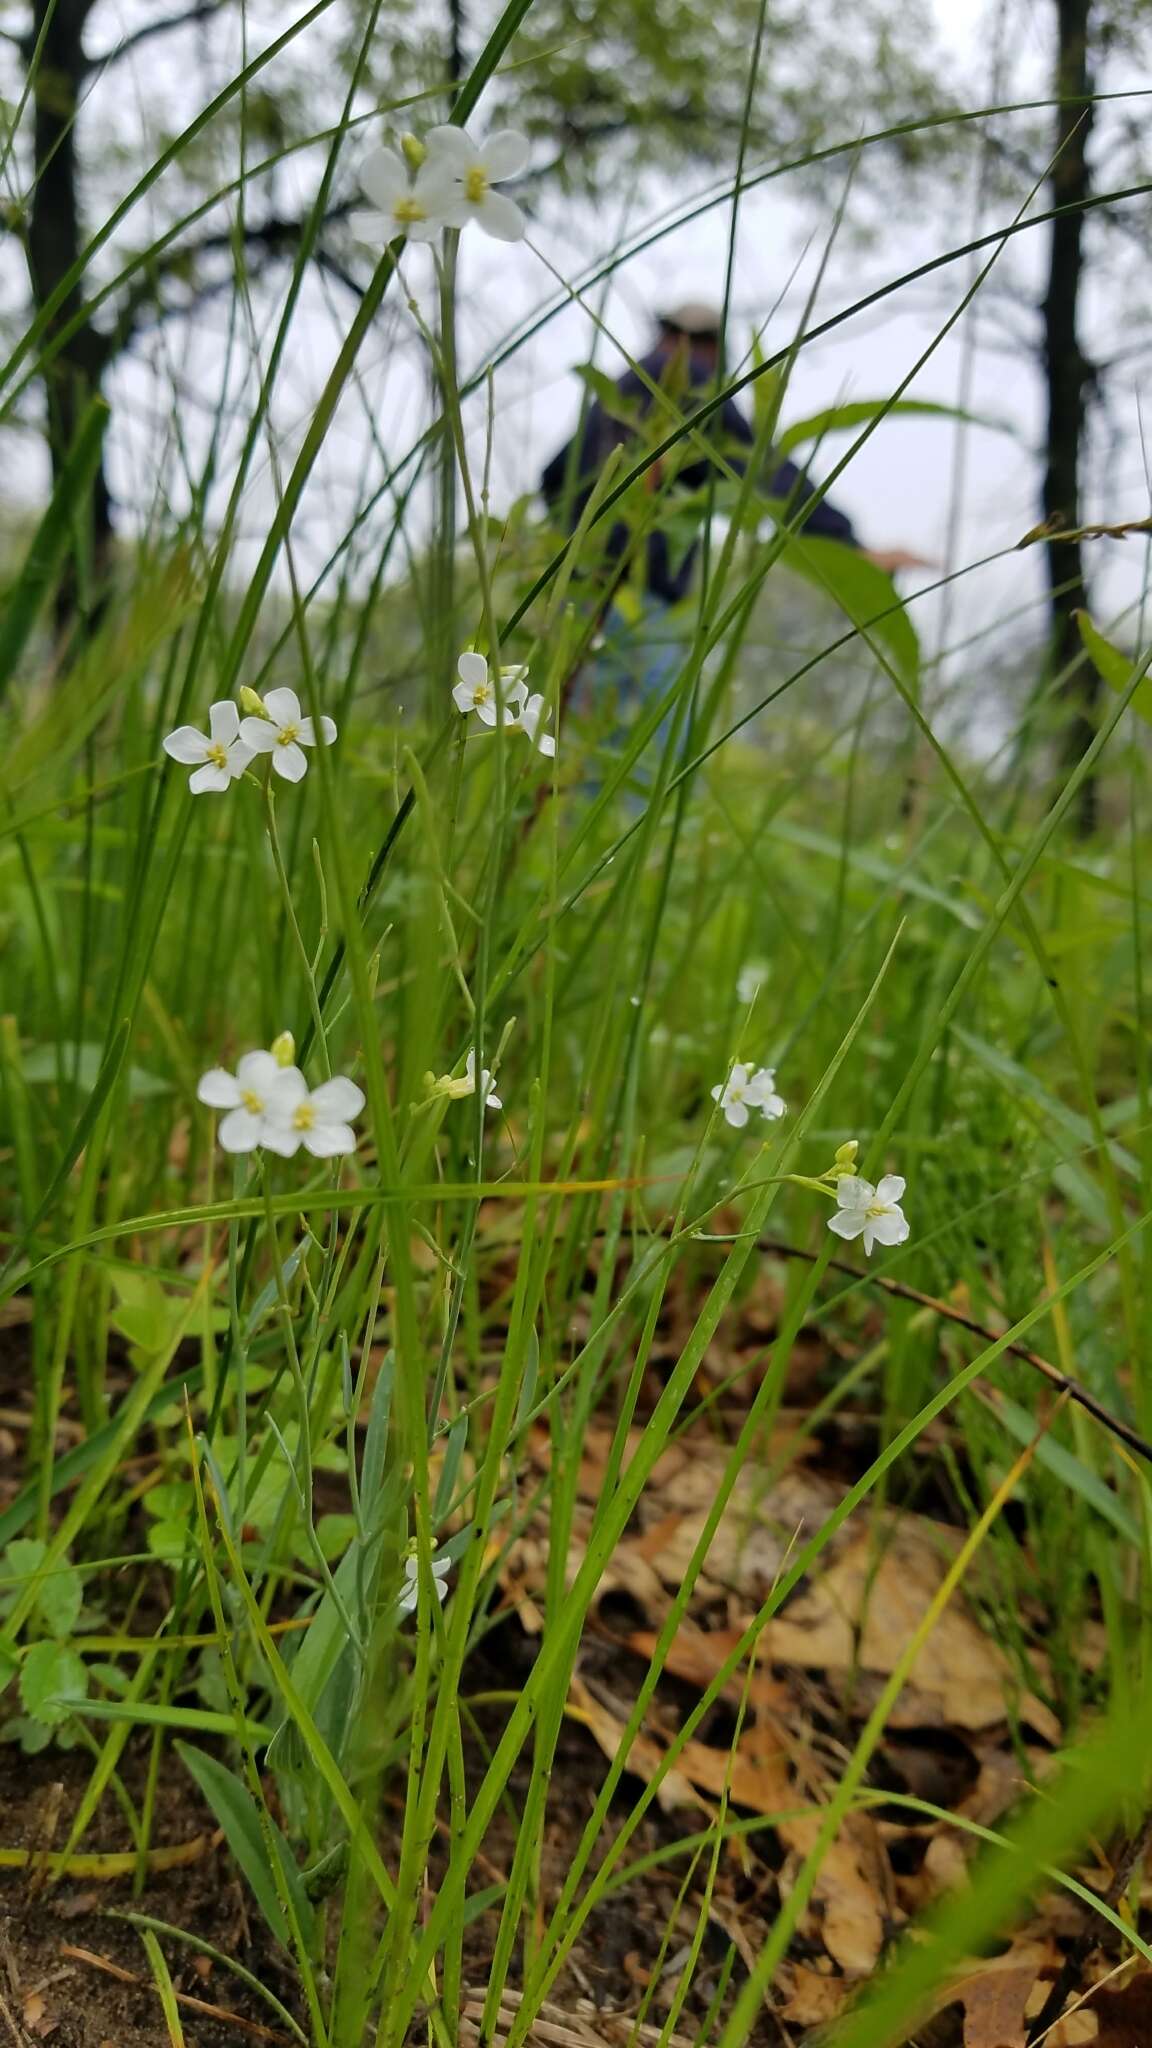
(1072, 1388)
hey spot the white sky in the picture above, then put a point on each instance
(900, 485)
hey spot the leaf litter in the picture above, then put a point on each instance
(970, 1732)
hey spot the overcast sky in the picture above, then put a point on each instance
(900, 488)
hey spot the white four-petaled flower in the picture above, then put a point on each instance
(476, 691)
(248, 1095)
(530, 718)
(317, 1118)
(218, 757)
(441, 1566)
(745, 1090)
(491, 1099)
(270, 1103)
(750, 980)
(873, 1213)
(459, 175)
(284, 732)
(403, 204)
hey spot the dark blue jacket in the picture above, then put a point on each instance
(568, 480)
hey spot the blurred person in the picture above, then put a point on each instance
(638, 656)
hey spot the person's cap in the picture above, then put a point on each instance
(696, 319)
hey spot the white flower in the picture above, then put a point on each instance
(441, 1566)
(317, 1118)
(250, 1097)
(460, 174)
(491, 1100)
(750, 980)
(745, 1090)
(220, 758)
(530, 718)
(405, 205)
(284, 732)
(767, 1101)
(476, 691)
(737, 1094)
(873, 1213)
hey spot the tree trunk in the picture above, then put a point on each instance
(73, 375)
(1067, 376)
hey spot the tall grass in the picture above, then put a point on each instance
(957, 985)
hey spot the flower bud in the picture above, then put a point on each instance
(283, 1049)
(414, 152)
(250, 702)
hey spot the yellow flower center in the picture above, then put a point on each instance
(406, 210)
(878, 1209)
(251, 1101)
(475, 184)
(286, 735)
(304, 1117)
(217, 756)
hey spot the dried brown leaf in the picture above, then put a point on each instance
(696, 1655)
(864, 1611)
(853, 1890)
(813, 1998)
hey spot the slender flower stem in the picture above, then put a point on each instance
(294, 927)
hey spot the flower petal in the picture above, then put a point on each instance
(500, 217)
(891, 1228)
(224, 722)
(291, 762)
(486, 711)
(426, 230)
(472, 668)
(282, 1138)
(218, 1088)
(186, 745)
(283, 706)
(260, 734)
(209, 777)
(239, 758)
(737, 1114)
(450, 146)
(329, 1141)
(285, 1091)
(546, 745)
(383, 176)
(493, 1102)
(240, 1131)
(308, 731)
(852, 1193)
(257, 1073)
(890, 1188)
(505, 154)
(337, 1099)
(463, 696)
(848, 1222)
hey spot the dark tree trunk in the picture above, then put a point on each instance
(73, 375)
(1067, 376)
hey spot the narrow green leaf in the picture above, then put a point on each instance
(862, 592)
(840, 419)
(27, 597)
(250, 1836)
(1114, 666)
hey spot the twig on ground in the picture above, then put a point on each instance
(1052, 1373)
